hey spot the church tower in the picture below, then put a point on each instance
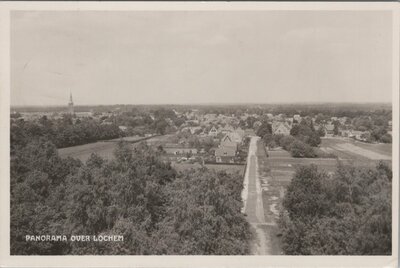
(70, 105)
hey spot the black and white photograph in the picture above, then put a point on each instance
(182, 132)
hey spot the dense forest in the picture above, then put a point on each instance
(349, 213)
(136, 195)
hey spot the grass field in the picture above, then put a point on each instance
(83, 152)
(346, 148)
(104, 149)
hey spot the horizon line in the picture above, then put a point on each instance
(207, 103)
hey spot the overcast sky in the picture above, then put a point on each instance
(141, 57)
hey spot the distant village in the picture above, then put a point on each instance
(218, 138)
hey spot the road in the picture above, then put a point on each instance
(253, 203)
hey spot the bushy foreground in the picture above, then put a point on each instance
(136, 195)
(349, 213)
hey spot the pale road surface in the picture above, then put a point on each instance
(252, 200)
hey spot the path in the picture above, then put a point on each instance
(252, 199)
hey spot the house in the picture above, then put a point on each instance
(225, 154)
(194, 130)
(342, 120)
(280, 128)
(297, 117)
(234, 137)
(360, 135)
(227, 129)
(329, 129)
(280, 117)
(213, 132)
(228, 141)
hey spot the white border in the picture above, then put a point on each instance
(182, 261)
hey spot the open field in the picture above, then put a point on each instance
(104, 149)
(83, 152)
(346, 148)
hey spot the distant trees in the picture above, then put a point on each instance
(376, 124)
(346, 214)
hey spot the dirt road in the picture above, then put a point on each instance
(253, 204)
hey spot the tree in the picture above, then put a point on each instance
(301, 149)
(321, 131)
(264, 129)
(336, 127)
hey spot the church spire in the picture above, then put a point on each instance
(70, 104)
